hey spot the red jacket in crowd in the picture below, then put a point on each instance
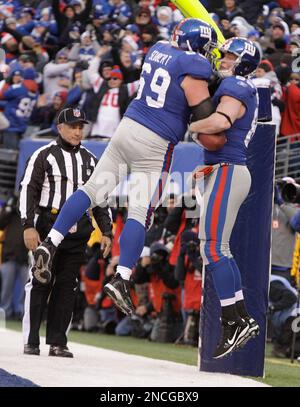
(290, 123)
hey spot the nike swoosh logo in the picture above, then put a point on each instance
(231, 341)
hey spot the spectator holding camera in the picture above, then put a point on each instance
(100, 313)
(165, 294)
(188, 272)
(140, 323)
(14, 260)
(283, 232)
(282, 312)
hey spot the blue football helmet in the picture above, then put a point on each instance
(248, 54)
(193, 34)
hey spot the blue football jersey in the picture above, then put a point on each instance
(240, 134)
(161, 105)
(18, 105)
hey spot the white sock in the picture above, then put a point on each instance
(124, 272)
(239, 296)
(56, 237)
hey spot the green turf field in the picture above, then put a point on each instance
(279, 372)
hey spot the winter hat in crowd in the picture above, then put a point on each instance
(17, 72)
(45, 11)
(76, 3)
(116, 72)
(130, 41)
(62, 95)
(143, 10)
(61, 53)
(269, 63)
(84, 35)
(254, 33)
(10, 20)
(133, 28)
(4, 11)
(5, 37)
(265, 67)
(164, 11)
(30, 73)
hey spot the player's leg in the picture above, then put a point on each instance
(104, 179)
(234, 202)
(150, 162)
(222, 200)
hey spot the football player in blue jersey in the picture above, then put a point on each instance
(227, 184)
(173, 86)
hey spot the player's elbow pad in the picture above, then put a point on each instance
(202, 110)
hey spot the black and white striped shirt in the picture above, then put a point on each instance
(51, 176)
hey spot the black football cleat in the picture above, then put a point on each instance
(60, 351)
(232, 333)
(118, 290)
(252, 332)
(31, 350)
(43, 256)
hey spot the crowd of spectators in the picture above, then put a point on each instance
(89, 53)
(66, 53)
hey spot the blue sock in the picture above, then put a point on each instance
(237, 275)
(132, 242)
(223, 278)
(73, 209)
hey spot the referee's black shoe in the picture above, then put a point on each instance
(60, 351)
(43, 256)
(118, 290)
(31, 350)
(232, 333)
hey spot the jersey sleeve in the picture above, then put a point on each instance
(236, 88)
(194, 65)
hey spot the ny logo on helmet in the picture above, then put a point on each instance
(250, 49)
(205, 32)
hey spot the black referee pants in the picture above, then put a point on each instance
(60, 296)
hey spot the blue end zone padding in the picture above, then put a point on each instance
(11, 380)
(250, 245)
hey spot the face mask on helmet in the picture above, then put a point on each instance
(211, 54)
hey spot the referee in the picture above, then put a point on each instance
(52, 174)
